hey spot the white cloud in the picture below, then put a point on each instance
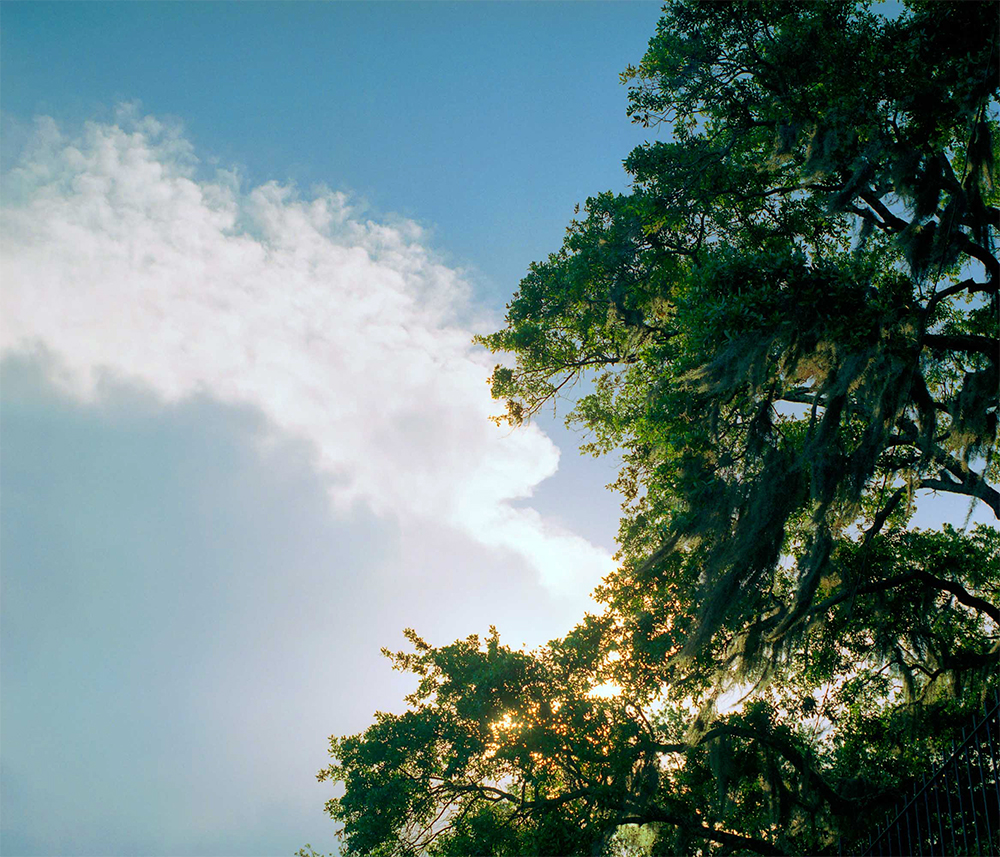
(118, 257)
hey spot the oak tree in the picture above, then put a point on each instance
(789, 327)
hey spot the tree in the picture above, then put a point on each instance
(790, 326)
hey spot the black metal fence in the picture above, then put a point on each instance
(954, 811)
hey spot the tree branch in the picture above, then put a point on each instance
(733, 840)
(928, 579)
(961, 593)
(496, 794)
(964, 660)
(647, 815)
(972, 486)
(869, 215)
(888, 583)
(989, 261)
(963, 342)
(890, 220)
(883, 514)
(969, 285)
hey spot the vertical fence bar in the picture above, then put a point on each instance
(982, 791)
(937, 803)
(994, 756)
(994, 752)
(958, 791)
(972, 794)
(909, 833)
(927, 815)
(899, 830)
(951, 813)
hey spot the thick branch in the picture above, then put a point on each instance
(960, 593)
(869, 215)
(989, 261)
(879, 586)
(495, 794)
(973, 486)
(650, 814)
(970, 285)
(963, 342)
(883, 514)
(733, 840)
(964, 659)
(890, 220)
(802, 396)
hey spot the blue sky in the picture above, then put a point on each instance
(485, 121)
(244, 431)
(245, 435)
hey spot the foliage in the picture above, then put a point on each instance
(790, 325)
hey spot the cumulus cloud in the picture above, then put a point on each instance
(120, 257)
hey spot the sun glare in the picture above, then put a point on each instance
(608, 690)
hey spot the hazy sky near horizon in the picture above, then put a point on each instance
(245, 434)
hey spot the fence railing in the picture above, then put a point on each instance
(956, 810)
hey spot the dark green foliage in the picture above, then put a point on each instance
(790, 325)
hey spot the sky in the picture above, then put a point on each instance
(244, 434)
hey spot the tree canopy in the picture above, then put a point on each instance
(790, 327)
